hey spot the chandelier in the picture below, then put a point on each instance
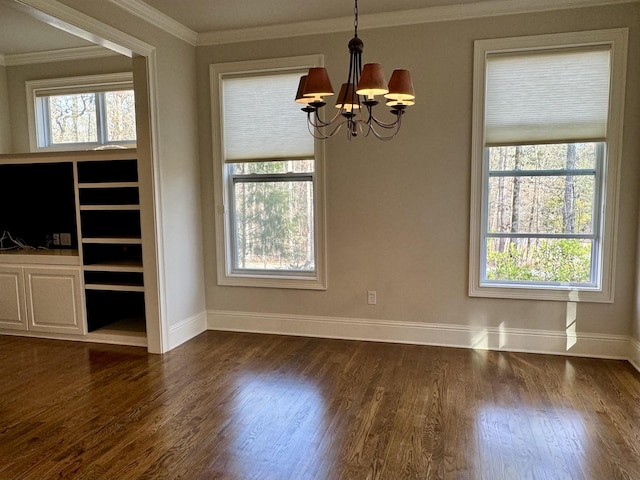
(356, 100)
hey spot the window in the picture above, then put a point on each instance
(269, 177)
(547, 140)
(82, 112)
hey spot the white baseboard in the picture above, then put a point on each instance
(187, 329)
(464, 336)
(634, 353)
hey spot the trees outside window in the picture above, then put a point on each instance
(82, 112)
(542, 221)
(269, 177)
(547, 140)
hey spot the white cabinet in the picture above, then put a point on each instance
(41, 299)
(54, 300)
(13, 308)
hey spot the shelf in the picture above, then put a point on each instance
(41, 256)
(114, 240)
(109, 185)
(109, 205)
(105, 172)
(109, 308)
(125, 265)
(112, 287)
(111, 208)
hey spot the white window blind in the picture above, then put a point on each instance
(547, 97)
(261, 121)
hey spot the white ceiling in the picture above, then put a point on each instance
(215, 15)
(20, 33)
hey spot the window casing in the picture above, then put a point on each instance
(546, 153)
(269, 177)
(80, 113)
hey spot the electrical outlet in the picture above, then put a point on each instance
(65, 239)
(371, 297)
(56, 238)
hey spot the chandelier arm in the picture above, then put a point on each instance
(319, 123)
(379, 136)
(382, 124)
(317, 131)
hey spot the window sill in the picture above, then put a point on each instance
(289, 282)
(552, 293)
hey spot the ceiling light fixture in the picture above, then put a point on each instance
(356, 99)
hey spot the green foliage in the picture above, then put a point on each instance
(546, 260)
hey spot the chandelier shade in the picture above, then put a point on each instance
(356, 101)
(400, 87)
(372, 81)
(317, 84)
(300, 98)
(347, 98)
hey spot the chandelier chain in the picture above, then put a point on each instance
(355, 18)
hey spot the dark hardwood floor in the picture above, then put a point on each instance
(243, 406)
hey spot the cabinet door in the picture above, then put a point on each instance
(54, 302)
(13, 311)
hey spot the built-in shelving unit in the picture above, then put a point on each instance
(111, 243)
(77, 272)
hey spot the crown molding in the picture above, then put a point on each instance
(78, 53)
(159, 19)
(77, 23)
(489, 8)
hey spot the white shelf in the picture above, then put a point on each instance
(113, 240)
(109, 185)
(115, 266)
(41, 256)
(103, 208)
(114, 287)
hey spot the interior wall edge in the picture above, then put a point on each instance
(634, 355)
(187, 329)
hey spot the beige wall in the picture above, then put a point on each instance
(398, 212)
(178, 174)
(19, 74)
(6, 145)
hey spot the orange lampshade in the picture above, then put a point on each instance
(400, 88)
(300, 98)
(317, 84)
(372, 81)
(346, 99)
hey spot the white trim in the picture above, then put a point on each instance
(159, 19)
(131, 339)
(444, 13)
(461, 336)
(634, 353)
(319, 279)
(617, 40)
(187, 329)
(78, 53)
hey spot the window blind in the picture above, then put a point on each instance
(547, 97)
(261, 121)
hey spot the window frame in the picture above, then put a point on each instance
(603, 288)
(38, 125)
(223, 186)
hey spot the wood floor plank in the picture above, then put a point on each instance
(243, 406)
